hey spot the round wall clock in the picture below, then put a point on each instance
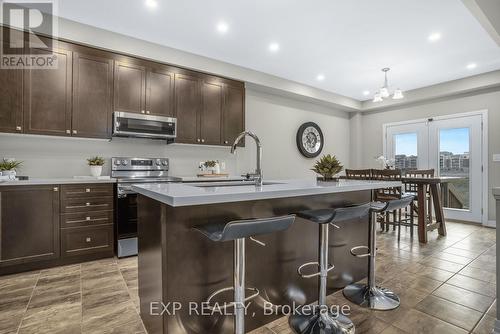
(310, 140)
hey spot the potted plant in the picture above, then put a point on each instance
(328, 166)
(96, 164)
(386, 163)
(212, 166)
(8, 167)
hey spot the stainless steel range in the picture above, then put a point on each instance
(130, 171)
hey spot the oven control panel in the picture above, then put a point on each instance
(139, 164)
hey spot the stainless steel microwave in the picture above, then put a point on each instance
(127, 124)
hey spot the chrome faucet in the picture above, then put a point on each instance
(258, 170)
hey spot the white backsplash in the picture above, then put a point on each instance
(48, 157)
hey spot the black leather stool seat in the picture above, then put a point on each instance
(392, 205)
(325, 216)
(238, 229)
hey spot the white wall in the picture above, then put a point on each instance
(369, 135)
(274, 119)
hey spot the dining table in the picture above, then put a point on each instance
(425, 221)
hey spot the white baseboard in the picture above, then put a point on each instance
(491, 223)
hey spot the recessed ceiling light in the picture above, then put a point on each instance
(434, 37)
(366, 93)
(274, 47)
(152, 3)
(222, 27)
(471, 66)
(320, 77)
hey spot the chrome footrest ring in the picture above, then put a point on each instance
(299, 269)
(366, 248)
(255, 293)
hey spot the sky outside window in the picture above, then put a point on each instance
(406, 143)
(455, 141)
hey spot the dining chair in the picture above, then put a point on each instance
(389, 194)
(411, 188)
(358, 174)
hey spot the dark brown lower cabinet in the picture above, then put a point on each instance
(48, 225)
(29, 224)
(86, 240)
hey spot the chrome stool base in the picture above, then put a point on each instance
(375, 298)
(320, 322)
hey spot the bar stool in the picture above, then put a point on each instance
(369, 295)
(237, 231)
(324, 321)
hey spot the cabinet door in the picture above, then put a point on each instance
(187, 104)
(160, 92)
(233, 119)
(92, 89)
(29, 224)
(130, 87)
(47, 97)
(11, 100)
(211, 112)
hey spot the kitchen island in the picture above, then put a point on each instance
(180, 266)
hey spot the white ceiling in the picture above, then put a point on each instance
(348, 41)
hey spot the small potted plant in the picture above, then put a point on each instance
(386, 163)
(8, 167)
(96, 164)
(328, 166)
(212, 166)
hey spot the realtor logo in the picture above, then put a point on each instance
(26, 35)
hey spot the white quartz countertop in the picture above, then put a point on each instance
(33, 182)
(184, 194)
(210, 178)
(496, 191)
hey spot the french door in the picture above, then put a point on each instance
(453, 147)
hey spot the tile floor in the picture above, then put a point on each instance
(446, 286)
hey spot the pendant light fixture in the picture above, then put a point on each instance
(384, 92)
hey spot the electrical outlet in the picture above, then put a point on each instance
(496, 157)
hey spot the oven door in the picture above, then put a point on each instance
(137, 125)
(126, 222)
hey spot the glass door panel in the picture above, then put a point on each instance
(454, 166)
(455, 151)
(406, 151)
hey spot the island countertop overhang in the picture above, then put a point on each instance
(180, 194)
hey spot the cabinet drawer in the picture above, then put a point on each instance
(86, 218)
(87, 204)
(86, 190)
(86, 240)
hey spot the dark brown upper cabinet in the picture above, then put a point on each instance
(92, 95)
(187, 103)
(47, 97)
(233, 119)
(11, 100)
(160, 92)
(130, 87)
(211, 112)
(29, 224)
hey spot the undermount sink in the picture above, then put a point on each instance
(231, 184)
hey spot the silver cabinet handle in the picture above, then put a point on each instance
(143, 112)
(88, 239)
(68, 132)
(87, 204)
(87, 190)
(56, 189)
(226, 142)
(198, 140)
(87, 218)
(147, 112)
(75, 132)
(203, 140)
(18, 128)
